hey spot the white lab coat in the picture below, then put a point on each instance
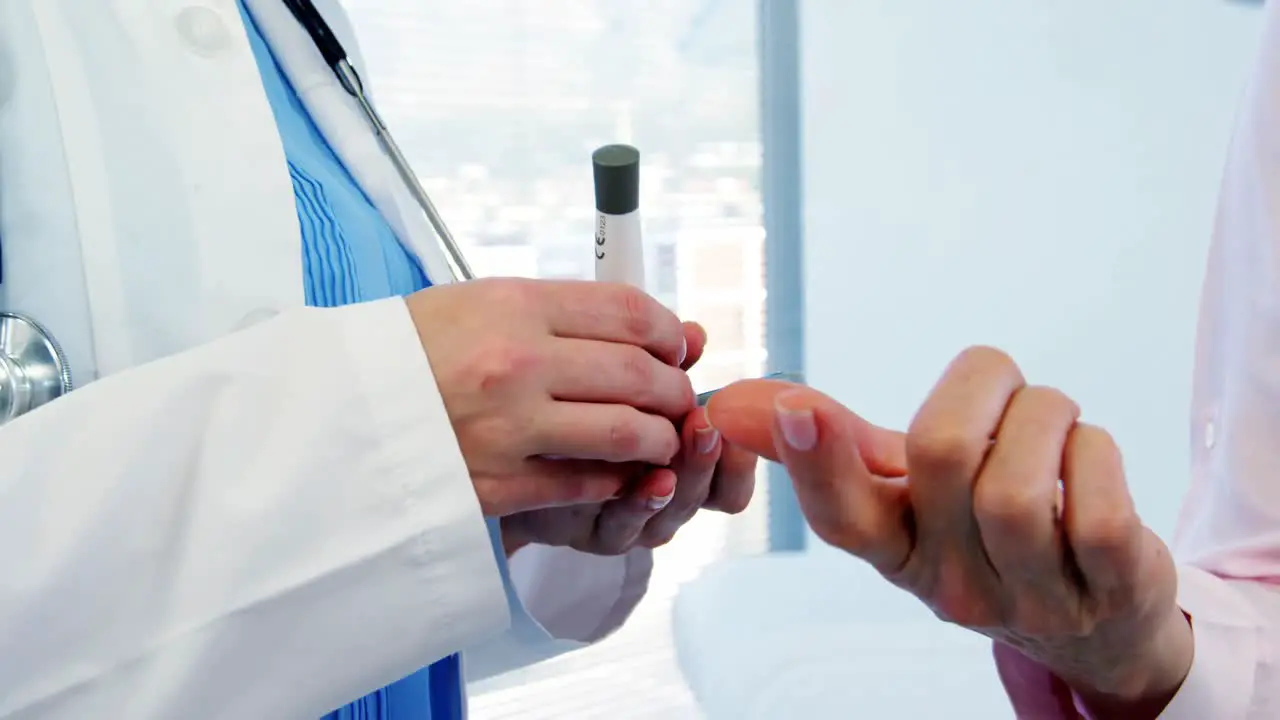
(251, 509)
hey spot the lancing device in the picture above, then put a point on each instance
(619, 242)
(794, 377)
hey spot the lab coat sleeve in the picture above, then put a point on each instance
(560, 600)
(268, 526)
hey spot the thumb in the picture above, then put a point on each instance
(846, 504)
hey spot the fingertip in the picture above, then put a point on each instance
(796, 423)
(702, 438)
(657, 490)
(696, 331)
(695, 343)
(656, 504)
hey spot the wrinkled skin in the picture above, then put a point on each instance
(1004, 514)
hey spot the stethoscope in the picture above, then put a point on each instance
(34, 369)
(335, 56)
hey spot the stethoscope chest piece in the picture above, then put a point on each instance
(33, 369)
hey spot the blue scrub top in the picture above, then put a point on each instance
(350, 254)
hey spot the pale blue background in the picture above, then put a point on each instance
(1040, 176)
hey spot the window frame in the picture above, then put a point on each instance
(778, 30)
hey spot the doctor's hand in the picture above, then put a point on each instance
(706, 474)
(1000, 511)
(587, 373)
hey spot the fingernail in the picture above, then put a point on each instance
(657, 503)
(705, 439)
(798, 426)
(684, 351)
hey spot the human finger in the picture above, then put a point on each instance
(744, 413)
(1099, 517)
(949, 438)
(603, 372)
(845, 504)
(1016, 493)
(616, 313)
(621, 522)
(695, 337)
(545, 483)
(734, 481)
(597, 431)
(694, 467)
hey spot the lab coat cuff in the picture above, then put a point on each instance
(1220, 684)
(576, 596)
(560, 600)
(432, 479)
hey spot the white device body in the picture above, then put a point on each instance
(619, 249)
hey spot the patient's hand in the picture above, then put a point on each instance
(1000, 511)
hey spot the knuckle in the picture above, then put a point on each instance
(514, 292)
(669, 390)
(690, 395)
(1091, 449)
(637, 372)
(838, 534)
(626, 438)
(681, 389)
(958, 601)
(1007, 508)
(502, 363)
(827, 533)
(637, 313)
(986, 356)
(942, 447)
(1098, 438)
(957, 614)
(1047, 400)
(1105, 533)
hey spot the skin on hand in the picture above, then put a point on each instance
(1000, 511)
(705, 474)
(586, 372)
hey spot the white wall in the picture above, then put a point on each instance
(1035, 175)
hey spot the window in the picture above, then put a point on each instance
(729, 316)
(665, 280)
(498, 105)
